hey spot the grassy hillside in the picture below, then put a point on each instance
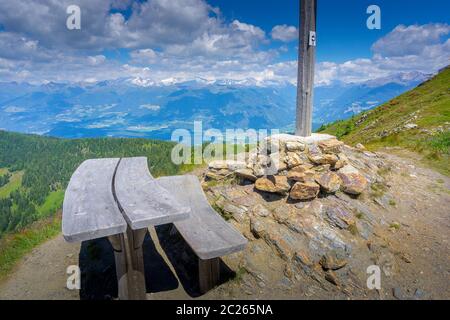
(418, 120)
(40, 168)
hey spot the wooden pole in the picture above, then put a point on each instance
(306, 62)
(130, 264)
(209, 274)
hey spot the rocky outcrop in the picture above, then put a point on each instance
(353, 183)
(273, 184)
(329, 182)
(304, 191)
(304, 217)
(301, 167)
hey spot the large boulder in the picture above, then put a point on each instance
(273, 184)
(217, 175)
(246, 174)
(329, 182)
(301, 176)
(294, 146)
(353, 183)
(304, 191)
(331, 146)
(231, 165)
(316, 156)
(302, 168)
(277, 162)
(260, 165)
(293, 159)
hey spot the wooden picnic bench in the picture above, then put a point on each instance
(110, 198)
(119, 199)
(206, 232)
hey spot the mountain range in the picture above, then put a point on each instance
(136, 107)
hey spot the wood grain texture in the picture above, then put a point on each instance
(142, 201)
(206, 232)
(209, 274)
(89, 208)
(307, 60)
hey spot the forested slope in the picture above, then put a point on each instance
(38, 169)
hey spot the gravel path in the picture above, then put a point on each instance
(422, 209)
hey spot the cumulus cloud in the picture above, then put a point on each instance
(284, 33)
(166, 41)
(104, 25)
(143, 56)
(410, 40)
(415, 48)
(176, 37)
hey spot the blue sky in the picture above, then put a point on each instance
(341, 24)
(162, 41)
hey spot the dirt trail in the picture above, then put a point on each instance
(42, 273)
(421, 208)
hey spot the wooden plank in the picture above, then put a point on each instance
(209, 274)
(206, 232)
(89, 208)
(130, 264)
(306, 64)
(141, 200)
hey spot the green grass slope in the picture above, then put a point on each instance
(418, 120)
(40, 169)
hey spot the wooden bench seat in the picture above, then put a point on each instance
(118, 199)
(89, 208)
(142, 201)
(206, 232)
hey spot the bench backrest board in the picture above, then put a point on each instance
(89, 209)
(142, 201)
(206, 232)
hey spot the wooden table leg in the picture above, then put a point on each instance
(208, 273)
(129, 259)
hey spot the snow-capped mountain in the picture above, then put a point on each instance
(138, 107)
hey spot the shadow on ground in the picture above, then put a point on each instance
(98, 271)
(185, 261)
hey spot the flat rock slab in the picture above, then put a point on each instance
(89, 209)
(142, 200)
(206, 232)
(313, 138)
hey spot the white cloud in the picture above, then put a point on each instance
(410, 40)
(13, 109)
(416, 48)
(151, 107)
(182, 37)
(284, 33)
(143, 56)
(182, 40)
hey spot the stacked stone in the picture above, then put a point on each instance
(296, 166)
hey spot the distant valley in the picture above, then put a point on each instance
(138, 108)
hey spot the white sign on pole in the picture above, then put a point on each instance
(312, 38)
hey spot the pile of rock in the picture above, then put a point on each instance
(296, 166)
